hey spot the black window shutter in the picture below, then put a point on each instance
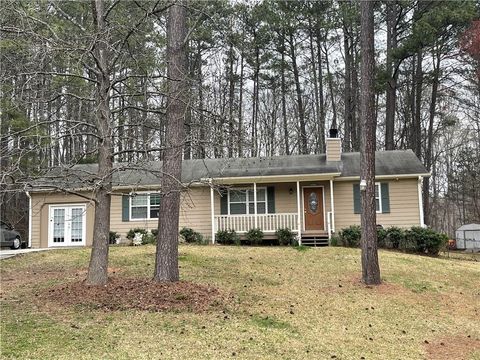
(357, 202)
(385, 198)
(271, 199)
(224, 202)
(125, 208)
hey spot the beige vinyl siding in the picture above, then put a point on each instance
(40, 213)
(404, 210)
(334, 149)
(194, 213)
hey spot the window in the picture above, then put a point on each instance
(378, 197)
(144, 206)
(241, 201)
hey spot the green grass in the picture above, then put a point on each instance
(282, 304)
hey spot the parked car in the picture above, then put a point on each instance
(10, 237)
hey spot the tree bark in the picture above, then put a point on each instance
(428, 152)
(284, 100)
(320, 95)
(417, 119)
(98, 267)
(347, 45)
(330, 86)
(370, 266)
(166, 266)
(301, 114)
(391, 91)
(231, 99)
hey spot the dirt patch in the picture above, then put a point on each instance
(385, 288)
(454, 347)
(132, 293)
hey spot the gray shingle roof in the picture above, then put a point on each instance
(399, 162)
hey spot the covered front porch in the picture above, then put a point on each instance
(305, 206)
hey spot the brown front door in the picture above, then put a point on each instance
(313, 208)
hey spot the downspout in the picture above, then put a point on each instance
(29, 219)
(212, 211)
(420, 201)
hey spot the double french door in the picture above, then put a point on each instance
(67, 225)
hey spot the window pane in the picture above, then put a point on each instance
(154, 210)
(261, 195)
(154, 199)
(139, 200)
(377, 204)
(377, 190)
(260, 208)
(238, 196)
(238, 209)
(139, 212)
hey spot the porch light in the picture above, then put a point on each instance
(363, 185)
(290, 191)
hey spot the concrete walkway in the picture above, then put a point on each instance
(7, 253)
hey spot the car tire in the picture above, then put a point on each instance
(17, 243)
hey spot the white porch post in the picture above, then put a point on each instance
(332, 205)
(299, 215)
(420, 201)
(255, 204)
(212, 210)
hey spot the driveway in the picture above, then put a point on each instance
(7, 253)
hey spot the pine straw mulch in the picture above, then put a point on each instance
(122, 293)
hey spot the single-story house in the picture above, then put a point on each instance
(313, 195)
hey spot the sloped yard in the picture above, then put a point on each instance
(253, 303)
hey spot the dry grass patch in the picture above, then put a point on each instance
(275, 303)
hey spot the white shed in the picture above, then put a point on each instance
(468, 237)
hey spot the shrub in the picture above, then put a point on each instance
(149, 238)
(335, 241)
(191, 236)
(113, 236)
(427, 240)
(394, 236)
(255, 236)
(227, 237)
(381, 237)
(350, 236)
(131, 233)
(285, 236)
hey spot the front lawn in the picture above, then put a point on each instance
(276, 303)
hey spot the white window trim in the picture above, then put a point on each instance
(379, 211)
(247, 201)
(148, 206)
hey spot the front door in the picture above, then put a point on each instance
(313, 208)
(67, 225)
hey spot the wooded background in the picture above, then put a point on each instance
(266, 78)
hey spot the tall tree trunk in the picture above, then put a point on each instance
(347, 46)
(370, 267)
(231, 99)
(319, 136)
(256, 72)
(201, 117)
(321, 123)
(428, 152)
(330, 86)
(98, 267)
(417, 119)
(391, 91)
(240, 107)
(286, 133)
(301, 114)
(166, 265)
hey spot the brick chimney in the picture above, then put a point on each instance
(334, 146)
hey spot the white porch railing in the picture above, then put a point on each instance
(265, 222)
